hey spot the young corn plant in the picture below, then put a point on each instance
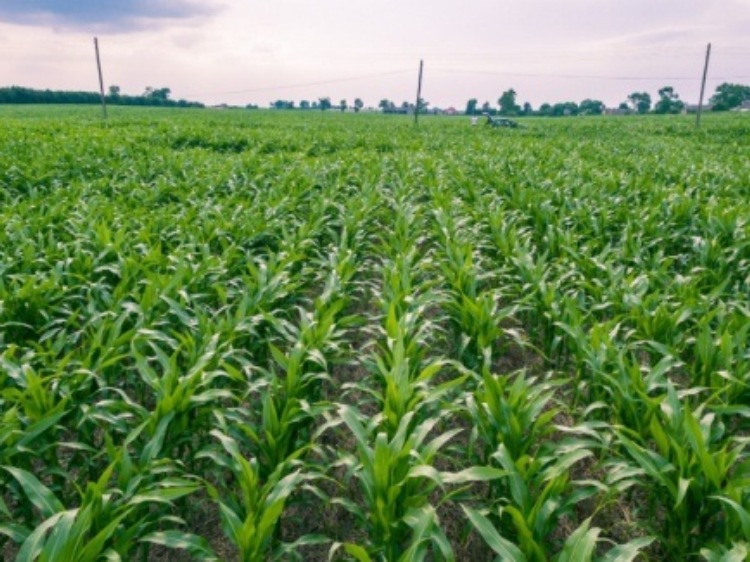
(581, 546)
(111, 519)
(513, 429)
(516, 411)
(472, 306)
(396, 476)
(252, 508)
(698, 474)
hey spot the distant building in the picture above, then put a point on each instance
(744, 106)
(616, 111)
(693, 107)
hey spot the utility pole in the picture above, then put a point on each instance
(101, 78)
(703, 86)
(419, 93)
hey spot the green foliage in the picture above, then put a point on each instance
(729, 96)
(442, 343)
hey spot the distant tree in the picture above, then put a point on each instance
(358, 105)
(591, 107)
(669, 101)
(423, 103)
(158, 96)
(314, 105)
(304, 104)
(640, 102)
(487, 108)
(385, 104)
(343, 105)
(507, 103)
(624, 107)
(114, 91)
(564, 109)
(527, 109)
(471, 106)
(545, 109)
(17, 94)
(729, 96)
(324, 103)
(282, 104)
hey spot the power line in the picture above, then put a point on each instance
(579, 76)
(303, 85)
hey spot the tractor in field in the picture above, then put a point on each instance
(500, 122)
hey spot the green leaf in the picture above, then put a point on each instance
(164, 495)
(358, 552)
(94, 547)
(195, 545)
(742, 514)
(34, 543)
(15, 532)
(682, 489)
(153, 447)
(502, 546)
(37, 493)
(580, 545)
(627, 552)
(474, 474)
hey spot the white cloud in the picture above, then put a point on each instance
(546, 50)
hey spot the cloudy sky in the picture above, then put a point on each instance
(258, 51)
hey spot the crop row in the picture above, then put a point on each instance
(311, 337)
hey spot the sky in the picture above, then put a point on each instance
(235, 52)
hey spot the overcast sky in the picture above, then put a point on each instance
(255, 52)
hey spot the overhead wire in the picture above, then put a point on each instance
(306, 84)
(575, 76)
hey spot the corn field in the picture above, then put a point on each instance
(257, 336)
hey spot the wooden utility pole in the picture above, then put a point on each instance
(703, 86)
(101, 78)
(419, 93)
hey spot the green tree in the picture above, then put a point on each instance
(282, 104)
(591, 107)
(640, 101)
(565, 108)
(669, 101)
(507, 103)
(114, 91)
(729, 96)
(471, 106)
(386, 105)
(304, 104)
(358, 105)
(324, 103)
(545, 109)
(343, 105)
(158, 96)
(527, 109)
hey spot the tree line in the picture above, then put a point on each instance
(150, 97)
(726, 97)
